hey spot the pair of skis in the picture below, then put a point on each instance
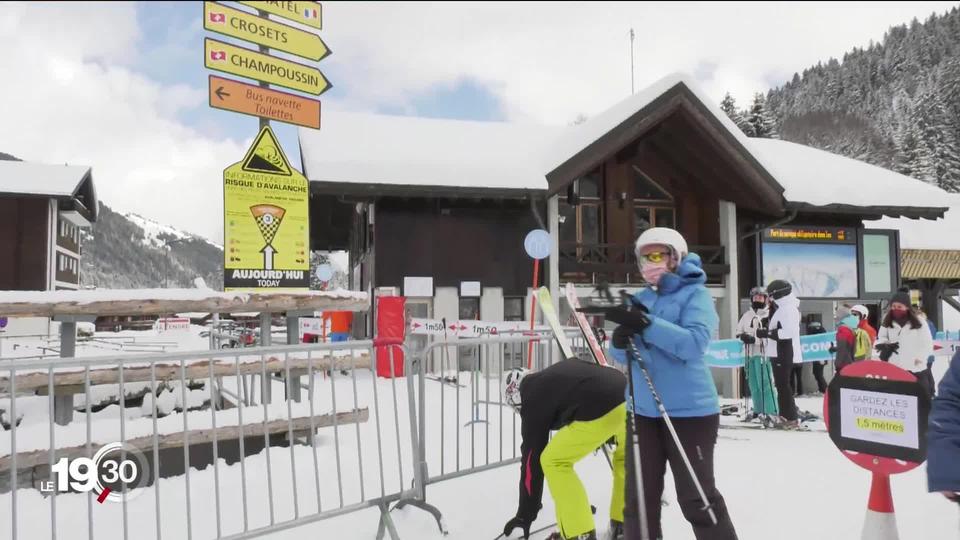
(553, 321)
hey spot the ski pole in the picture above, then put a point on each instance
(635, 450)
(635, 356)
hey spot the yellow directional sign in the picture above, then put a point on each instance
(255, 65)
(266, 221)
(308, 13)
(242, 25)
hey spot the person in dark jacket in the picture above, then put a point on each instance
(815, 328)
(943, 436)
(584, 403)
(670, 325)
(843, 351)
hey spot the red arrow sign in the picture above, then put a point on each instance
(453, 327)
(462, 327)
(416, 325)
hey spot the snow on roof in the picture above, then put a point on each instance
(822, 178)
(924, 233)
(400, 150)
(403, 151)
(23, 177)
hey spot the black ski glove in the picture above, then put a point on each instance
(518, 522)
(767, 333)
(747, 339)
(635, 319)
(621, 337)
(833, 348)
(887, 350)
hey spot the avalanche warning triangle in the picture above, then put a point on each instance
(266, 156)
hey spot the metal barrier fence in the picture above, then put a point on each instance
(479, 431)
(275, 465)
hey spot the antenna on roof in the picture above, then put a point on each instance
(631, 62)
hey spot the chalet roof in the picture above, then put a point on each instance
(380, 155)
(69, 183)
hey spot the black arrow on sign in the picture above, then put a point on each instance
(220, 93)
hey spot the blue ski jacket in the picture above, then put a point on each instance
(682, 322)
(943, 433)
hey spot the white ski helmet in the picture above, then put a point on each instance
(861, 309)
(664, 236)
(511, 386)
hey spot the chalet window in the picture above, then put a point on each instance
(513, 308)
(653, 206)
(581, 214)
(469, 309)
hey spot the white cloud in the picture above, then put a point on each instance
(551, 61)
(71, 95)
(72, 99)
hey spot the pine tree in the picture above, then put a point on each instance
(761, 123)
(729, 107)
(938, 152)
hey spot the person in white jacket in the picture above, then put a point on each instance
(904, 339)
(783, 332)
(759, 374)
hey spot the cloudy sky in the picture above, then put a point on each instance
(122, 87)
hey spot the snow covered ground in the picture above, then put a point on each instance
(777, 485)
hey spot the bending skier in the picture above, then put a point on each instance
(759, 375)
(584, 403)
(671, 326)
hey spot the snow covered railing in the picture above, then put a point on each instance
(167, 367)
(164, 301)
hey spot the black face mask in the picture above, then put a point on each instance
(757, 306)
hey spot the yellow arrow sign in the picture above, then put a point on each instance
(255, 65)
(242, 25)
(308, 13)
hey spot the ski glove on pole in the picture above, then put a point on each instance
(766, 333)
(747, 339)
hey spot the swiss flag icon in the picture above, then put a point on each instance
(219, 18)
(218, 56)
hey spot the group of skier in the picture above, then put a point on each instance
(667, 410)
(669, 396)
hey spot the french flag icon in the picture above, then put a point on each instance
(310, 13)
(218, 56)
(219, 18)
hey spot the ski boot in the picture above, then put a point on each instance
(616, 530)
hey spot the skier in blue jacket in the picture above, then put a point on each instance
(943, 436)
(672, 324)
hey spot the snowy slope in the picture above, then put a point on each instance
(157, 235)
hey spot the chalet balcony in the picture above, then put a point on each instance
(616, 263)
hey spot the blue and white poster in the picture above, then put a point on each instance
(728, 353)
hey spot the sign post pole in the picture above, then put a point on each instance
(533, 310)
(537, 246)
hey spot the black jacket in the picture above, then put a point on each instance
(570, 390)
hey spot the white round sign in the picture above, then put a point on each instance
(537, 244)
(324, 272)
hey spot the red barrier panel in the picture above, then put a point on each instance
(391, 327)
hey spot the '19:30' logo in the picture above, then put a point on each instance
(115, 469)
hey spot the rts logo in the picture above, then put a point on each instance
(114, 470)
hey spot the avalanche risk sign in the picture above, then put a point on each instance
(266, 221)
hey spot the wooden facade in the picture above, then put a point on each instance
(24, 244)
